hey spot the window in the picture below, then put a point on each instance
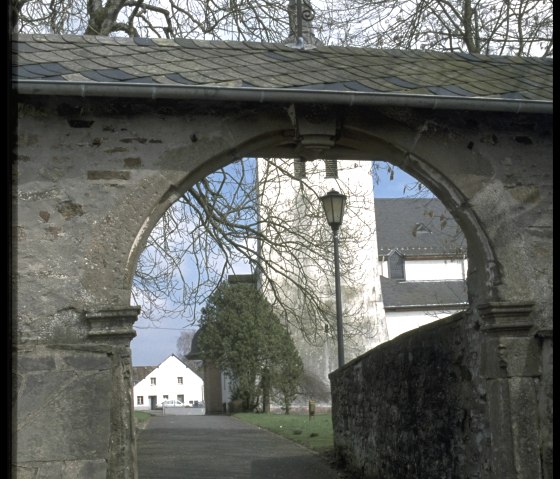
(139, 400)
(331, 170)
(165, 396)
(396, 265)
(181, 397)
(179, 380)
(299, 168)
(153, 381)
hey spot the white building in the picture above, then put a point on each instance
(282, 196)
(422, 258)
(172, 379)
(406, 260)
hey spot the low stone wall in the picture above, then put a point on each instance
(408, 408)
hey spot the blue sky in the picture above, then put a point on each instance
(394, 188)
(155, 342)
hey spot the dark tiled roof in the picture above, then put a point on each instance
(423, 294)
(416, 227)
(419, 227)
(87, 59)
(140, 372)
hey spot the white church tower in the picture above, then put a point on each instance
(289, 191)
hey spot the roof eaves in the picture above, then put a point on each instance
(275, 95)
(434, 306)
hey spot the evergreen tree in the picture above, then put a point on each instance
(241, 334)
(287, 373)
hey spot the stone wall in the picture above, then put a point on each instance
(93, 176)
(466, 396)
(408, 408)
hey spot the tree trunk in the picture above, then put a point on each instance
(265, 383)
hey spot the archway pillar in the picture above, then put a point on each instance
(113, 327)
(511, 366)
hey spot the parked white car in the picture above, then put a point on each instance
(172, 403)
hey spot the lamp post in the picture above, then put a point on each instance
(333, 204)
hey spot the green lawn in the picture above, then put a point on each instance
(315, 433)
(141, 416)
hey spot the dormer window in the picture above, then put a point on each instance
(396, 265)
(420, 229)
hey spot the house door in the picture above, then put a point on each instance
(153, 401)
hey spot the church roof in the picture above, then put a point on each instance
(171, 68)
(417, 227)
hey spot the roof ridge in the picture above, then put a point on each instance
(232, 44)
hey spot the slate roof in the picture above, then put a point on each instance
(140, 372)
(423, 294)
(398, 221)
(417, 227)
(252, 65)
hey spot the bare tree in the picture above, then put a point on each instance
(184, 347)
(497, 27)
(220, 223)
(209, 19)
(513, 27)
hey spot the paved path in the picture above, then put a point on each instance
(222, 447)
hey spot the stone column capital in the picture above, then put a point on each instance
(506, 318)
(113, 325)
(508, 348)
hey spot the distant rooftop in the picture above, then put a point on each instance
(140, 372)
(436, 295)
(417, 227)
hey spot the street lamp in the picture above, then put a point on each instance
(333, 204)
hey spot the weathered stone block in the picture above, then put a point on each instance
(85, 395)
(511, 357)
(28, 364)
(108, 175)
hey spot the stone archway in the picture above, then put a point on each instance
(503, 332)
(95, 174)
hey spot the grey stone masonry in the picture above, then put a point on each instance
(112, 131)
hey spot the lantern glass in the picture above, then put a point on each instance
(333, 204)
